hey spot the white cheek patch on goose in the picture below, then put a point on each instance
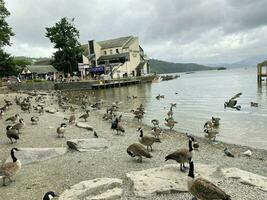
(50, 196)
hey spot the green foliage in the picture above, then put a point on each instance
(162, 67)
(22, 62)
(7, 66)
(65, 36)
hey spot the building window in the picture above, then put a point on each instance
(117, 50)
(110, 51)
(105, 52)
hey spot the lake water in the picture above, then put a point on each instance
(201, 95)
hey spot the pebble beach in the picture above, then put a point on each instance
(58, 174)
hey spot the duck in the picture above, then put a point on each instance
(19, 125)
(12, 134)
(85, 116)
(49, 195)
(146, 140)
(139, 151)
(9, 169)
(14, 118)
(254, 104)
(61, 130)
(182, 155)
(34, 120)
(203, 189)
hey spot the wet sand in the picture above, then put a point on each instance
(59, 173)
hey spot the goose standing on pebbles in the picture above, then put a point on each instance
(139, 151)
(85, 116)
(146, 140)
(170, 123)
(72, 119)
(156, 131)
(13, 118)
(117, 125)
(19, 125)
(12, 134)
(182, 155)
(203, 189)
(49, 195)
(61, 130)
(9, 169)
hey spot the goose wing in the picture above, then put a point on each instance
(8, 169)
(236, 96)
(139, 150)
(180, 155)
(204, 189)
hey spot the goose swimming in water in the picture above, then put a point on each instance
(203, 189)
(9, 169)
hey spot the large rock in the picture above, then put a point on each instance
(33, 155)
(84, 125)
(246, 177)
(90, 144)
(96, 189)
(165, 179)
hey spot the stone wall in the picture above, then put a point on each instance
(83, 85)
(32, 86)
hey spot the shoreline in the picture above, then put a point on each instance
(37, 178)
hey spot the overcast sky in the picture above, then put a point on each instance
(203, 31)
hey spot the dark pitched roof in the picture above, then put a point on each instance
(41, 69)
(117, 42)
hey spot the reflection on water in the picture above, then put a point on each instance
(200, 96)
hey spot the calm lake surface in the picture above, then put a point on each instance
(201, 95)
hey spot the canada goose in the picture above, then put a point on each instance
(253, 104)
(208, 125)
(13, 118)
(182, 155)
(72, 119)
(203, 189)
(156, 131)
(34, 120)
(170, 123)
(85, 116)
(139, 151)
(228, 153)
(72, 109)
(232, 102)
(170, 113)
(61, 130)
(117, 125)
(173, 105)
(155, 122)
(146, 140)
(139, 117)
(9, 169)
(12, 134)
(211, 134)
(19, 125)
(49, 195)
(195, 143)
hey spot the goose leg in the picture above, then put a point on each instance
(4, 181)
(151, 148)
(10, 180)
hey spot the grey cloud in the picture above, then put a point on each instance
(193, 30)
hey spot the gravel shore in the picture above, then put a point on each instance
(60, 173)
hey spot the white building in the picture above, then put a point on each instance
(120, 57)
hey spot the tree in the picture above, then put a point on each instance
(65, 38)
(7, 66)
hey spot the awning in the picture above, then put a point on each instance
(97, 69)
(119, 56)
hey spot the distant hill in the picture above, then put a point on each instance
(248, 62)
(162, 67)
(35, 61)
